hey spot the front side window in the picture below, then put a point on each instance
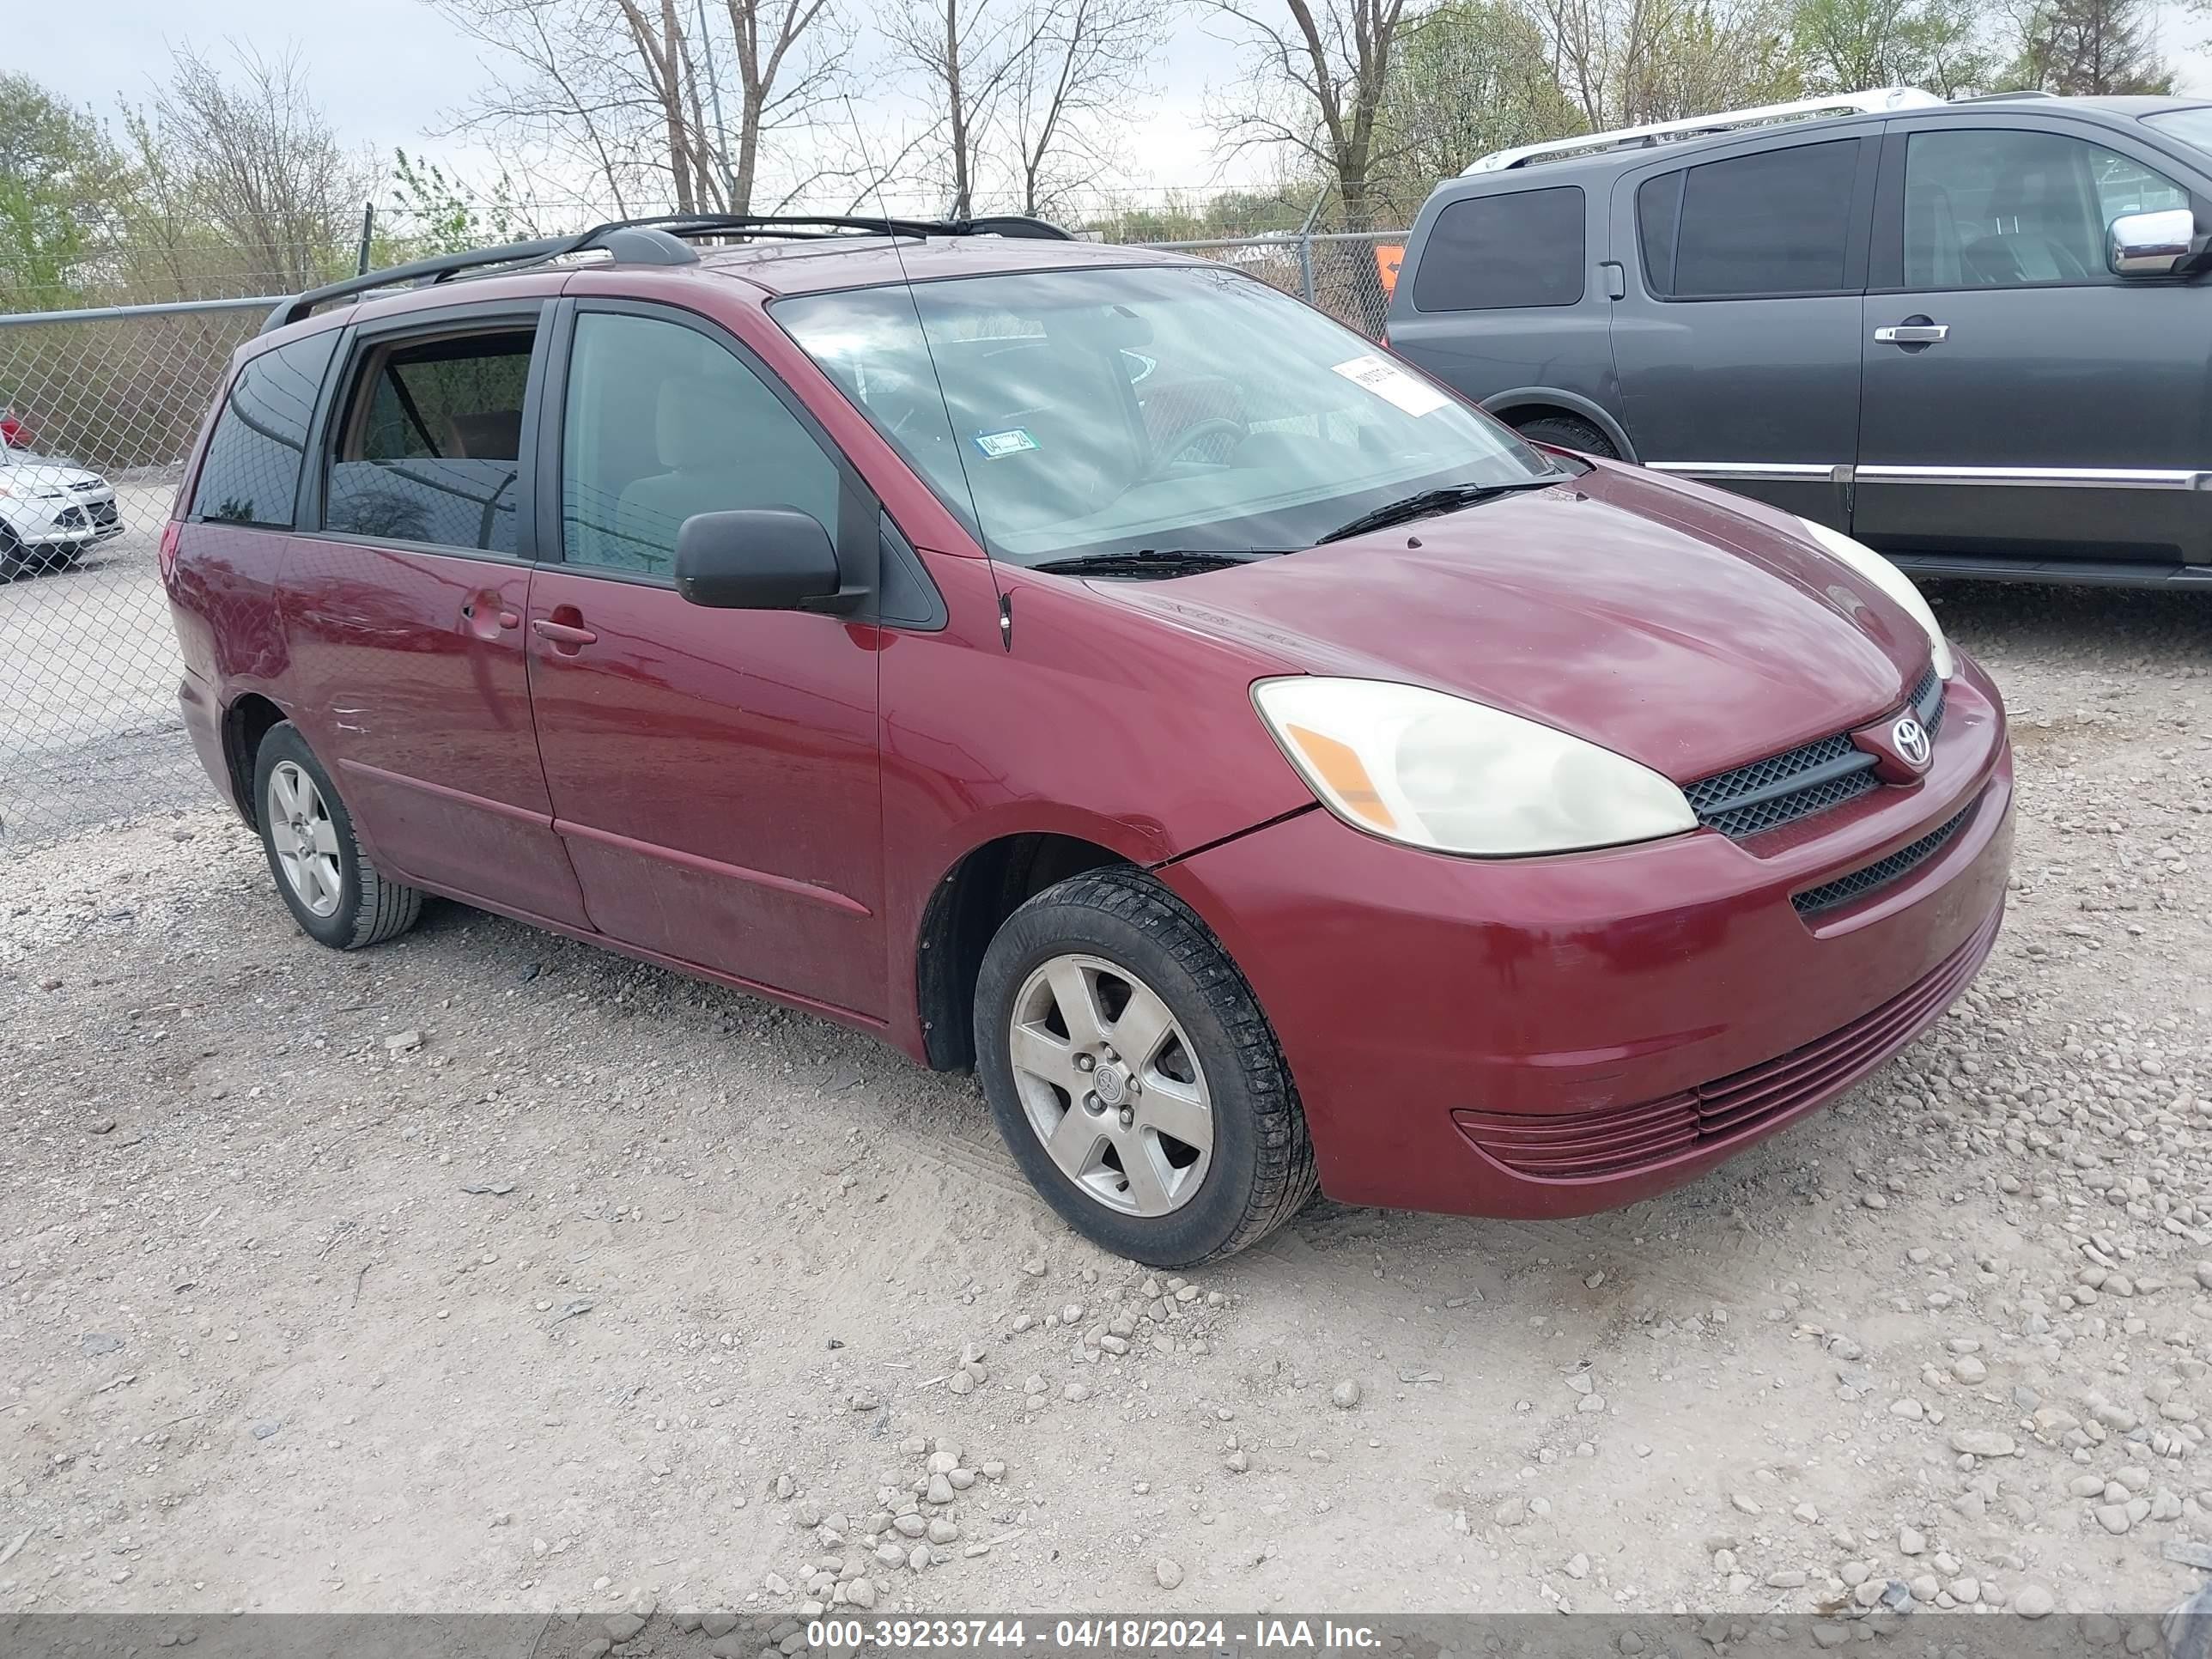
(1774, 223)
(429, 448)
(1128, 408)
(252, 472)
(1489, 252)
(664, 421)
(2010, 207)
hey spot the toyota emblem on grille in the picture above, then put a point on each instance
(1911, 739)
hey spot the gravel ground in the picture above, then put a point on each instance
(489, 1271)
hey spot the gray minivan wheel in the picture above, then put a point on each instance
(1567, 432)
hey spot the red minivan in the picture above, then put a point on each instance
(1093, 667)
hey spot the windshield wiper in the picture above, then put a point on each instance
(1150, 562)
(1428, 503)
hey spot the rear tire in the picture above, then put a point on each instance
(1184, 1144)
(1570, 432)
(338, 897)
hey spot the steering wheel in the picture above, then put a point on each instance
(1214, 426)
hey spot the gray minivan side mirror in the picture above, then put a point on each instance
(759, 558)
(2149, 243)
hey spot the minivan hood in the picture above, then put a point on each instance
(1656, 619)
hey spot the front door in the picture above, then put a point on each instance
(2020, 400)
(713, 773)
(403, 600)
(1737, 343)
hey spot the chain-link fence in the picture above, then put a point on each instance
(1348, 274)
(98, 412)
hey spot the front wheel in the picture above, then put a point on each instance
(337, 894)
(1133, 1075)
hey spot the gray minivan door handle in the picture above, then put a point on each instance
(1923, 333)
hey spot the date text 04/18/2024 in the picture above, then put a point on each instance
(1088, 1634)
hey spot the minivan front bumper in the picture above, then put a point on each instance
(1555, 1036)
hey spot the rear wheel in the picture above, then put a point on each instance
(338, 897)
(1570, 432)
(1134, 1076)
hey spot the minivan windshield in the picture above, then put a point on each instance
(1131, 409)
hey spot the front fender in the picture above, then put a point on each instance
(1545, 396)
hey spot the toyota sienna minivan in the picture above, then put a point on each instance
(1094, 668)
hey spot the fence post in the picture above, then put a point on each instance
(368, 229)
(1305, 247)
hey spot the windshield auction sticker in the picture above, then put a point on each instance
(1392, 383)
(998, 445)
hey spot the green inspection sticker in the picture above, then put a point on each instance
(996, 446)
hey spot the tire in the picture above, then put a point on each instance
(1570, 432)
(339, 898)
(1111, 938)
(12, 561)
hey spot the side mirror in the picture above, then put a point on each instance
(761, 558)
(2149, 243)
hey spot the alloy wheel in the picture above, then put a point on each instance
(306, 840)
(1111, 1085)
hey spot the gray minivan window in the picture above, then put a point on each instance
(1777, 222)
(2006, 207)
(2192, 126)
(1516, 248)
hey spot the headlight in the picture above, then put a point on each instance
(1892, 581)
(1438, 771)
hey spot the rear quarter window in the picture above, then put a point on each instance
(251, 472)
(1497, 253)
(1770, 223)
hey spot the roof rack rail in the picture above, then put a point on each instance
(1876, 102)
(661, 240)
(2001, 97)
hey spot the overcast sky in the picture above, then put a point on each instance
(387, 70)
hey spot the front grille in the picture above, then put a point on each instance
(90, 486)
(1881, 873)
(1782, 788)
(1927, 701)
(1581, 1146)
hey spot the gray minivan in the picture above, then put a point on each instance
(1975, 335)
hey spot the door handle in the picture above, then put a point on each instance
(564, 637)
(486, 617)
(1912, 333)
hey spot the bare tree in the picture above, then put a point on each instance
(779, 84)
(1942, 46)
(1315, 79)
(969, 52)
(1626, 62)
(252, 155)
(630, 94)
(1068, 95)
(2093, 48)
(1475, 77)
